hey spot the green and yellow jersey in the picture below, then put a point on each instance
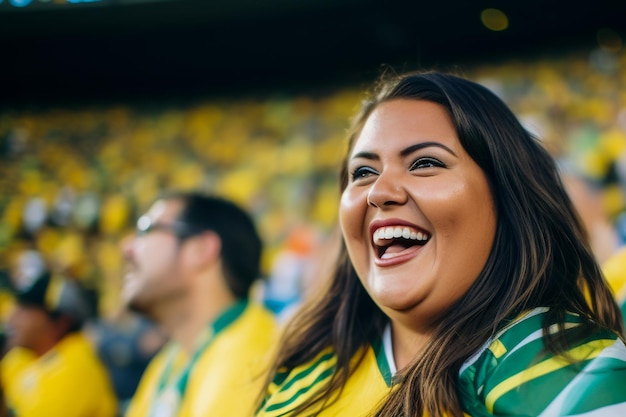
(510, 376)
(224, 376)
(367, 386)
(68, 381)
(514, 376)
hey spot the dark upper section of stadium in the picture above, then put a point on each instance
(127, 49)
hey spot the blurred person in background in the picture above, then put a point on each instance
(285, 286)
(298, 270)
(190, 267)
(51, 369)
(126, 343)
(604, 237)
(24, 269)
(587, 200)
(465, 285)
(614, 267)
(614, 270)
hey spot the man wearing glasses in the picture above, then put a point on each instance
(189, 267)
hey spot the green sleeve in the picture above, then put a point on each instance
(515, 376)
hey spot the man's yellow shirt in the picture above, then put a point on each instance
(226, 379)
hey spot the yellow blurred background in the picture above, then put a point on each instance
(74, 179)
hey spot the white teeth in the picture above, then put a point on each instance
(386, 233)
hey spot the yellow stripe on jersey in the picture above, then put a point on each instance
(292, 392)
(497, 348)
(584, 352)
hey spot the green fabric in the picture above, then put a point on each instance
(515, 376)
(381, 361)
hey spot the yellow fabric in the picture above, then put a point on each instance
(497, 348)
(615, 272)
(363, 392)
(68, 381)
(228, 376)
(365, 389)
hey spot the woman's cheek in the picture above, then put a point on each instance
(352, 207)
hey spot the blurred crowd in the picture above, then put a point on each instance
(73, 180)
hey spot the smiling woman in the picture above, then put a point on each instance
(466, 284)
(422, 180)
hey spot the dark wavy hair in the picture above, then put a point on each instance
(540, 257)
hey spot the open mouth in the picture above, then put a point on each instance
(392, 241)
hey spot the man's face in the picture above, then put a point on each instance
(153, 272)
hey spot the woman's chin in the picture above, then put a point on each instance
(396, 301)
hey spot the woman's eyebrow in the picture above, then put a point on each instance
(367, 155)
(405, 152)
(409, 150)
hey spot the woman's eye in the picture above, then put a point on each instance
(426, 162)
(362, 172)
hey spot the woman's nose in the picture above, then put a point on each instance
(386, 191)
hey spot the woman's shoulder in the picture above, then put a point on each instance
(515, 374)
(291, 387)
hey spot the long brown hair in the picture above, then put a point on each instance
(540, 257)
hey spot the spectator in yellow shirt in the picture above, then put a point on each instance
(52, 370)
(190, 267)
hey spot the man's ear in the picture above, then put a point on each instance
(203, 249)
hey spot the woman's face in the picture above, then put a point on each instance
(417, 215)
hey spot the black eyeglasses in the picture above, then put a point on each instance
(181, 230)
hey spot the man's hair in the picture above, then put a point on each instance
(241, 244)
